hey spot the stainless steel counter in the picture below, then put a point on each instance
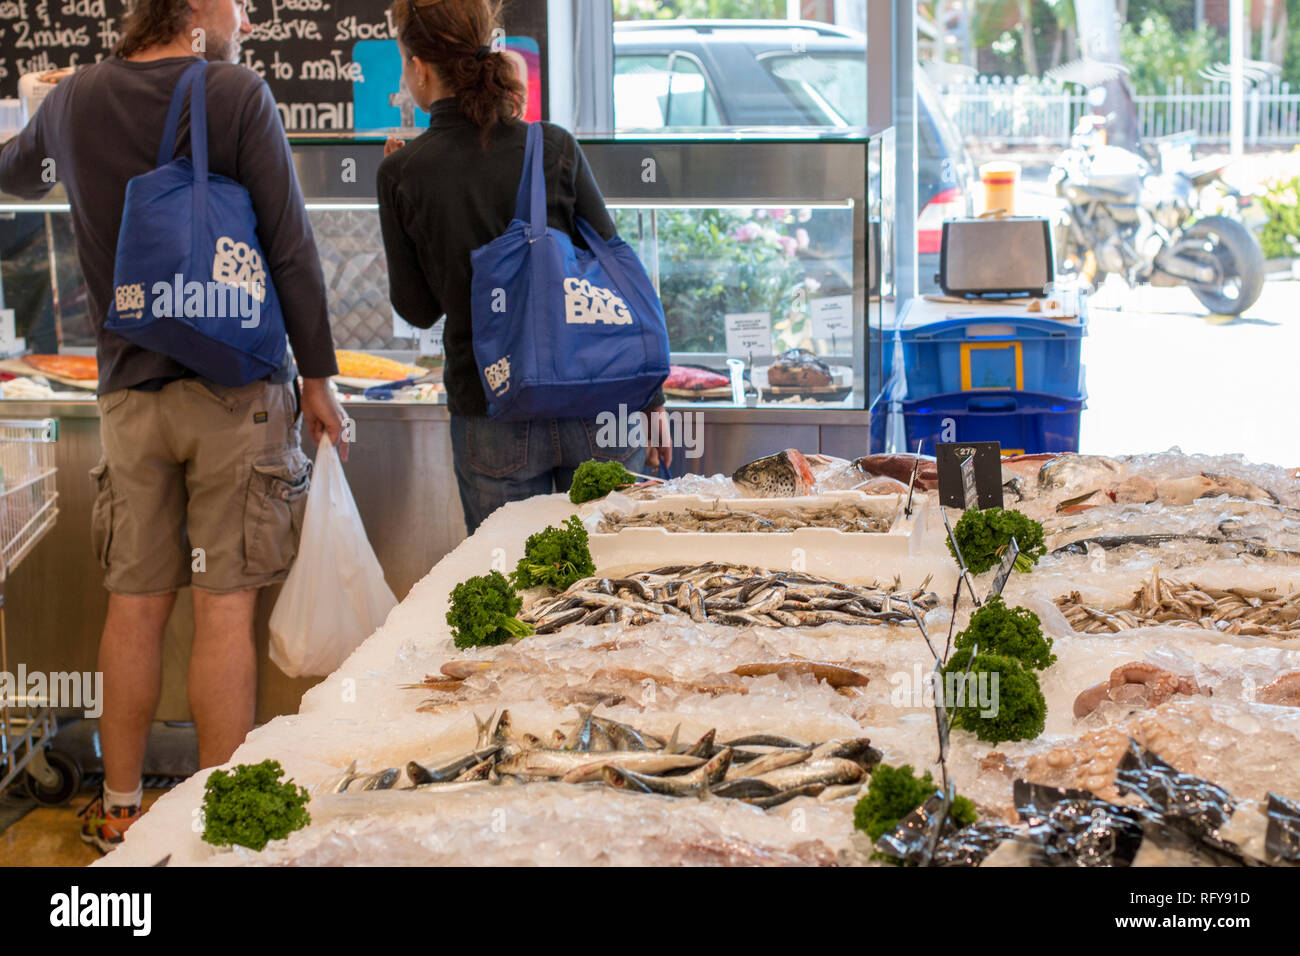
(401, 475)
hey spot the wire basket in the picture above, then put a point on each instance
(28, 498)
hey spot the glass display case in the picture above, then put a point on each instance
(759, 250)
(763, 250)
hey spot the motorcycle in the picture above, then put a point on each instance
(1136, 216)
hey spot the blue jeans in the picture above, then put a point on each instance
(497, 462)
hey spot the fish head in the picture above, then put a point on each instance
(501, 732)
(615, 777)
(783, 475)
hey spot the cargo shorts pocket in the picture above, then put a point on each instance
(101, 515)
(273, 511)
(496, 449)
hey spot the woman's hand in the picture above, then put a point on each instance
(660, 439)
(392, 145)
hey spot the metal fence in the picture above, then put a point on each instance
(1029, 111)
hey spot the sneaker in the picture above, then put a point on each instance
(104, 828)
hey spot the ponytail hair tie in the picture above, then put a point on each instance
(482, 53)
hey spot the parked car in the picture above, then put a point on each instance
(707, 73)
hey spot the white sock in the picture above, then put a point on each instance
(114, 798)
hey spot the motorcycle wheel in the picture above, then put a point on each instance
(1235, 252)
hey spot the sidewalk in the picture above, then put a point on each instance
(1162, 373)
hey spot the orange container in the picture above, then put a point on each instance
(1000, 181)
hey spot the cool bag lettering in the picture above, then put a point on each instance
(559, 331)
(190, 280)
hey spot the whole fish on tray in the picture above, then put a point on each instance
(736, 595)
(1248, 611)
(783, 770)
(722, 518)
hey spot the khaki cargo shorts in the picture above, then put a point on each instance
(199, 484)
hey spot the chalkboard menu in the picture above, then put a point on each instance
(330, 63)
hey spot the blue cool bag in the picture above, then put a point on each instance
(560, 332)
(190, 280)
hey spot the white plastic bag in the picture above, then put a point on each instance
(335, 596)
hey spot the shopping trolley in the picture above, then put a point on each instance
(28, 509)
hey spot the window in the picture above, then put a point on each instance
(830, 88)
(653, 91)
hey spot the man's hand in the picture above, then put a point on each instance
(659, 430)
(322, 413)
(392, 145)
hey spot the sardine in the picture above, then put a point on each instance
(340, 784)
(420, 774)
(560, 620)
(561, 763)
(383, 780)
(783, 796)
(744, 788)
(695, 783)
(772, 761)
(827, 771)
(484, 728)
(857, 749)
(626, 737)
(765, 740)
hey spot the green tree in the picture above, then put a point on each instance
(1155, 53)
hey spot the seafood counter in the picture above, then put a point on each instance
(555, 692)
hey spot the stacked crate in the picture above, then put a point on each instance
(992, 373)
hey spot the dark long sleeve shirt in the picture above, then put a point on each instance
(443, 195)
(103, 125)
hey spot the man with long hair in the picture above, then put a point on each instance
(189, 466)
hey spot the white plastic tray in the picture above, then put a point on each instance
(818, 550)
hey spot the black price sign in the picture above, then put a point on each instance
(985, 470)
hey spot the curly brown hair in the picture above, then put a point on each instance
(455, 37)
(149, 23)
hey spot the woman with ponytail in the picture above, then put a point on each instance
(451, 190)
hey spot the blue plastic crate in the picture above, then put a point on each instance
(879, 425)
(1026, 423)
(1042, 356)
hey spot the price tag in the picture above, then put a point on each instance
(1004, 569)
(749, 333)
(832, 317)
(403, 329)
(969, 494)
